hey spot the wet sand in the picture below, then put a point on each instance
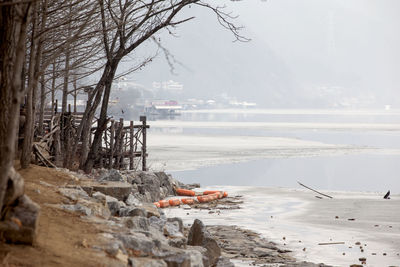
(363, 225)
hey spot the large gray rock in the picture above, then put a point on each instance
(166, 182)
(151, 186)
(157, 223)
(139, 243)
(178, 260)
(89, 208)
(73, 193)
(202, 251)
(151, 210)
(20, 222)
(132, 212)
(132, 201)
(137, 223)
(111, 176)
(178, 221)
(99, 196)
(113, 205)
(146, 262)
(224, 262)
(177, 242)
(172, 229)
(198, 236)
(119, 190)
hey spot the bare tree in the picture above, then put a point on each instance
(14, 21)
(125, 26)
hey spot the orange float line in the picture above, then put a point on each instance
(163, 203)
(188, 201)
(185, 192)
(209, 192)
(174, 202)
(203, 199)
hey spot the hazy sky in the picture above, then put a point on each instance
(302, 51)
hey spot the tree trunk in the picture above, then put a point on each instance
(102, 122)
(42, 80)
(30, 101)
(42, 105)
(14, 20)
(53, 88)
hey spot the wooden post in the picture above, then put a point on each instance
(112, 130)
(144, 150)
(131, 154)
(56, 107)
(119, 141)
(69, 108)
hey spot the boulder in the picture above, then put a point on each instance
(196, 258)
(113, 205)
(202, 251)
(198, 236)
(151, 210)
(99, 196)
(177, 242)
(132, 201)
(137, 223)
(89, 208)
(139, 244)
(171, 229)
(20, 222)
(224, 262)
(132, 211)
(178, 260)
(118, 190)
(73, 193)
(146, 262)
(157, 223)
(151, 186)
(166, 182)
(178, 221)
(111, 176)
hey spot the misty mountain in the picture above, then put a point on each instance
(302, 54)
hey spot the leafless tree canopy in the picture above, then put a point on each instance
(50, 45)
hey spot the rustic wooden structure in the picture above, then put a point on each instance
(123, 145)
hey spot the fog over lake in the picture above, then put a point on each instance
(324, 76)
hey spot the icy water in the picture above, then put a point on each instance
(326, 149)
(261, 154)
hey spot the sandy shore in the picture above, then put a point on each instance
(363, 224)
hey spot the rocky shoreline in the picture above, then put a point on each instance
(136, 233)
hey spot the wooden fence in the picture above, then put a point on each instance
(123, 146)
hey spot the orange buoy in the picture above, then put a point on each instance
(203, 199)
(174, 202)
(185, 192)
(209, 192)
(157, 204)
(188, 201)
(225, 194)
(163, 203)
(214, 196)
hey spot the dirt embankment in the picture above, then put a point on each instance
(63, 237)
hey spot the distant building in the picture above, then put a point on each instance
(163, 107)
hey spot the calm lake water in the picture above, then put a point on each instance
(377, 170)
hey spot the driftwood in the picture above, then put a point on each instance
(314, 190)
(41, 157)
(331, 243)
